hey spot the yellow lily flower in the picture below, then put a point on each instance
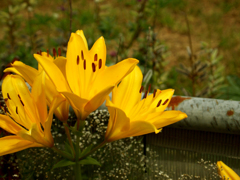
(226, 172)
(27, 116)
(29, 74)
(131, 116)
(88, 81)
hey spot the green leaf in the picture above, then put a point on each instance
(86, 150)
(89, 160)
(63, 163)
(68, 148)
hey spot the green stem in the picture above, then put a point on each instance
(94, 149)
(69, 137)
(78, 175)
(67, 156)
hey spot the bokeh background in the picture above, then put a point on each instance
(191, 46)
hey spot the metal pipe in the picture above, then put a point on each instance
(207, 114)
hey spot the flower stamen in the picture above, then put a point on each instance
(145, 94)
(21, 102)
(84, 64)
(54, 52)
(159, 103)
(8, 96)
(154, 93)
(59, 51)
(141, 89)
(93, 67)
(149, 88)
(165, 102)
(47, 53)
(100, 63)
(77, 60)
(95, 57)
(82, 56)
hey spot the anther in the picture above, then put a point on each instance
(21, 102)
(47, 53)
(141, 89)
(145, 95)
(19, 96)
(84, 64)
(40, 52)
(149, 87)
(6, 99)
(82, 56)
(159, 103)
(17, 110)
(14, 59)
(8, 96)
(93, 67)
(54, 52)
(165, 102)
(95, 57)
(100, 63)
(59, 51)
(154, 93)
(77, 60)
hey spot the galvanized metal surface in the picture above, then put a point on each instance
(207, 114)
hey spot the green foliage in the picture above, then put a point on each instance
(63, 163)
(232, 91)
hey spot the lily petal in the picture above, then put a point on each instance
(27, 72)
(74, 66)
(48, 123)
(20, 102)
(166, 118)
(118, 122)
(81, 34)
(97, 100)
(109, 77)
(12, 144)
(99, 50)
(53, 72)
(76, 102)
(226, 172)
(9, 125)
(38, 94)
(127, 95)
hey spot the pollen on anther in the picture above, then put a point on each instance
(84, 64)
(141, 89)
(77, 60)
(149, 87)
(40, 52)
(165, 102)
(17, 110)
(145, 94)
(54, 52)
(21, 102)
(59, 51)
(8, 96)
(95, 57)
(93, 67)
(47, 53)
(100, 63)
(154, 93)
(159, 103)
(82, 55)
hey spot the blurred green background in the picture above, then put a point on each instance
(191, 46)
